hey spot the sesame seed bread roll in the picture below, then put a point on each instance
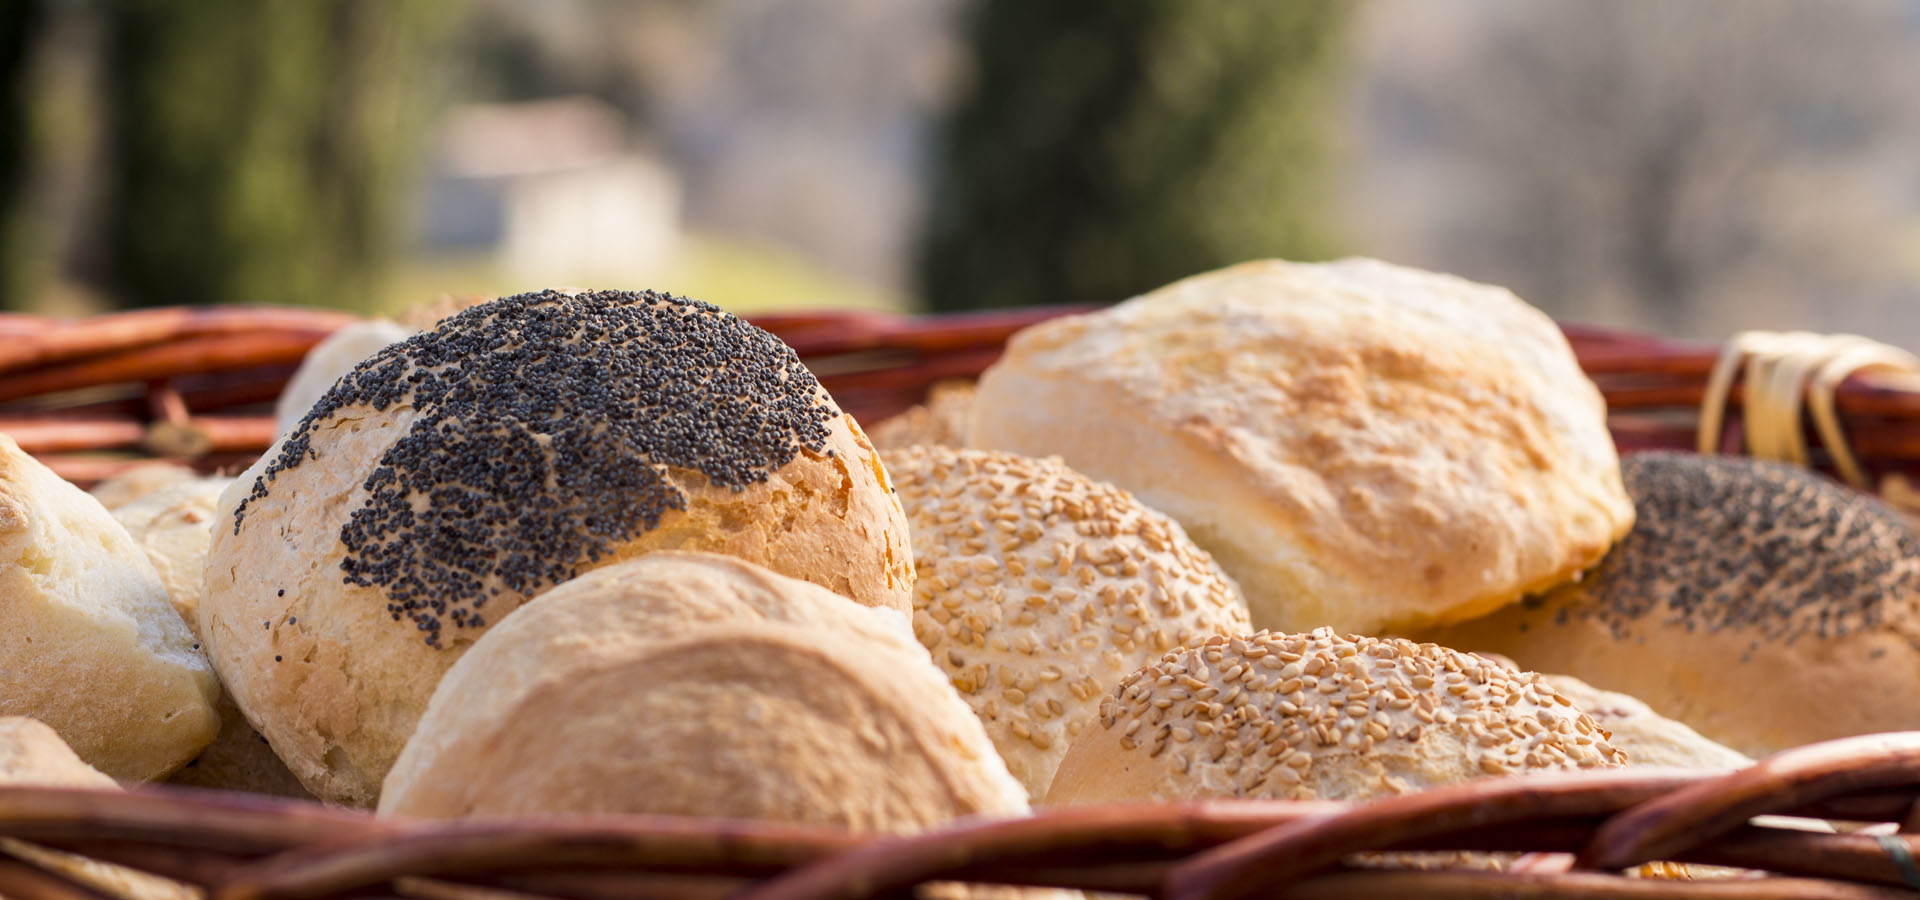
(89, 644)
(1360, 445)
(693, 685)
(941, 420)
(1758, 603)
(1646, 737)
(1320, 716)
(457, 474)
(173, 524)
(1039, 588)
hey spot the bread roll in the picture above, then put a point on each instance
(173, 524)
(1039, 588)
(1320, 716)
(32, 754)
(691, 685)
(1646, 737)
(1753, 601)
(172, 520)
(88, 643)
(137, 481)
(453, 476)
(327, 361)
(942, 419)
(1360, 445)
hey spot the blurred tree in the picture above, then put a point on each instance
(19, 21)
(1659, 162)
(257, 145)
(1106, 149)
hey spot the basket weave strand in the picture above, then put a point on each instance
(255, 848)
(80, 394)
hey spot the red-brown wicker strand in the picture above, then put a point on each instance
(249, 847)
(1241, 868)
(1782, 781)
(57, 341)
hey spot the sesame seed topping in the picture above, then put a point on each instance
(544, 427)
(1361, 726)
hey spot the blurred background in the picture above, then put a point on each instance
(1684, 166)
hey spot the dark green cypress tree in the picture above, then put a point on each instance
(258, 145)
(1105, 149)
(20, 21)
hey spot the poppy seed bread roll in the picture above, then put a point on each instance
(1755, 602)
(89, 644)
(453, 476)
(688, 684)
(1360, 445)
(1320, 716)
(1039, 588)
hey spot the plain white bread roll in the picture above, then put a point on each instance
(1360, 445)
(699, 685)
(173, 523)
(171, 518)
(137, 481)
(88, 642)
(466, 470)
(30, 753)
(327, 361)
(1039, 588)
(1320, 716)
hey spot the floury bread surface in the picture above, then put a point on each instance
(692, 684)
(453, 476)
(1359, 445)
(89, 644)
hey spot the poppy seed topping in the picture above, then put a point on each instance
(1725, 542)
(543, 429)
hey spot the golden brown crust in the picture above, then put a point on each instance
(764, 697)
(1741, 577)
(1320, 716)
(1038, 588)
(941, 420)
(91, 646)
(1359, 445)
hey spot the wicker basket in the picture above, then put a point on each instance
(94, 395)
